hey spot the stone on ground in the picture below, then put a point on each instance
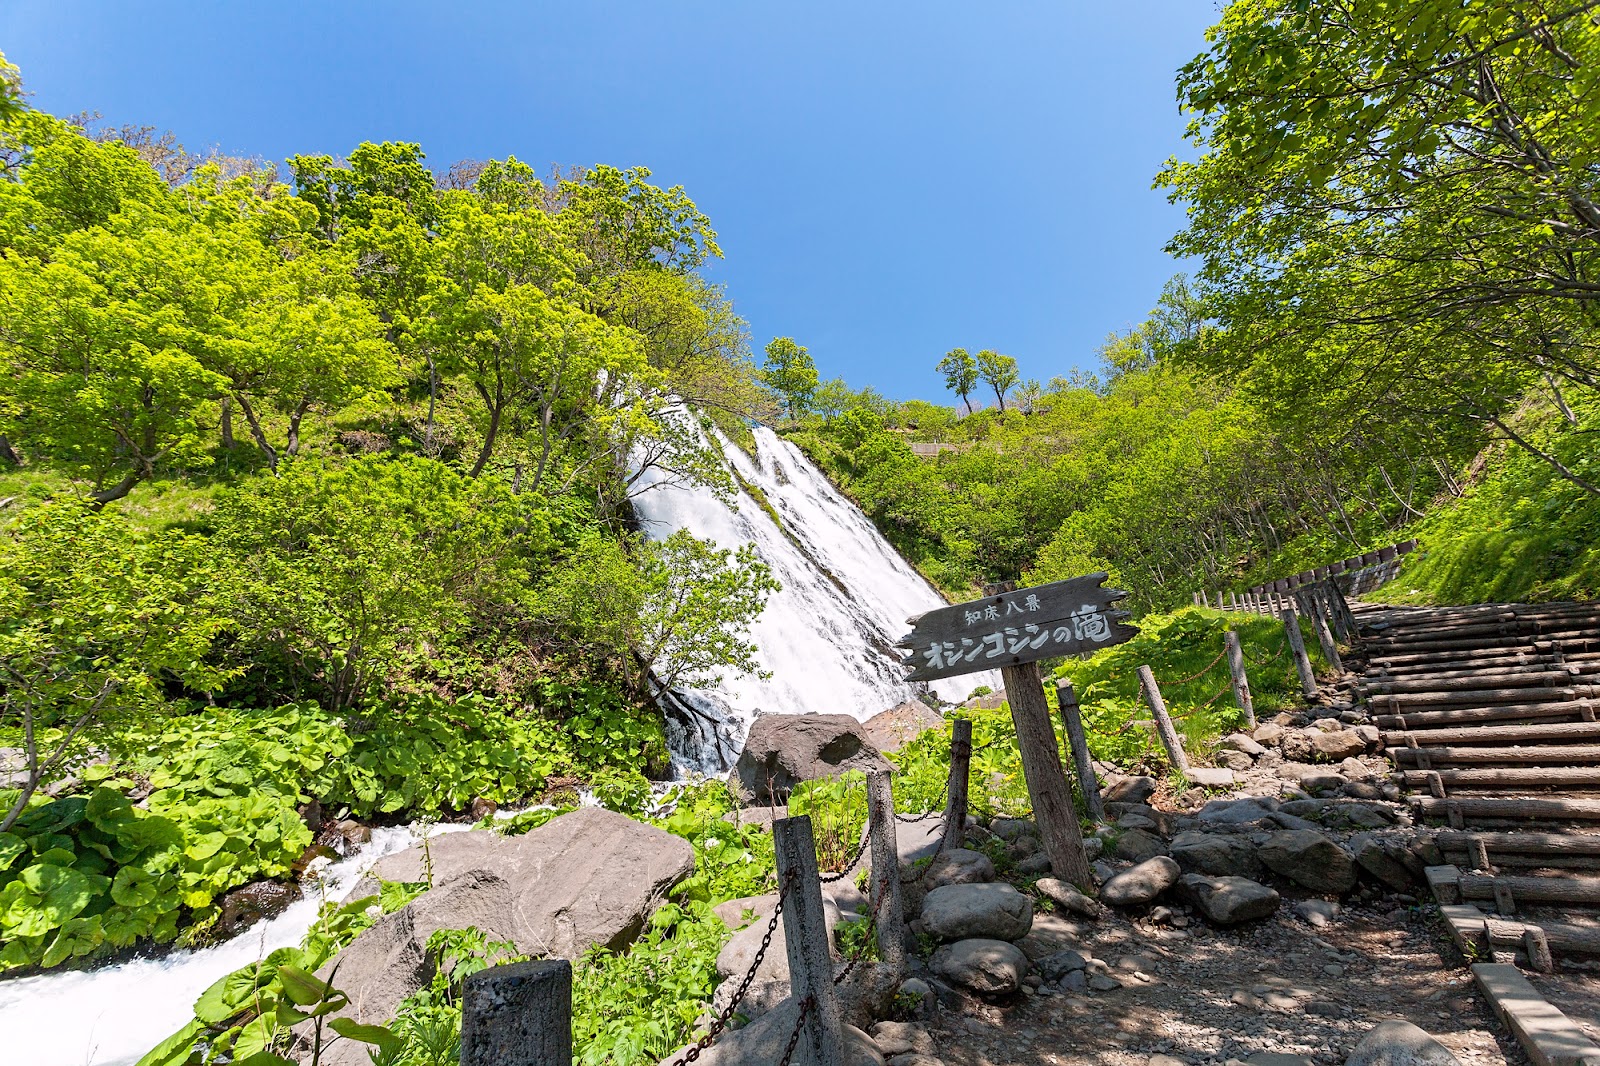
(1229, 900)
(764, 1040)
(901, 1038)
(783, 750)
(1068, 898)
(1243, 742)
(1055, 967)
(1309, 859)
(1338, 745)
(1211, 776)
(1013, 828)
(1137, 845)
(1129, 790)
(993, 967)
(962, 912)
(740, 950)
(1317, 913)
(893, 729)
(1049, 935)
(1142, 883)
(959, 866)
(1398, 1043)
(1390, 863)
(1218, 854)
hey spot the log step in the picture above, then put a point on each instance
(1404, 703)
(1543, 733)
(1508, 777)
(1532, 889)
(1516, 712)
(1527, 843)
(1541, 755)
(1498, 680)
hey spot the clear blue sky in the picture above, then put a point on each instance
(888, 180)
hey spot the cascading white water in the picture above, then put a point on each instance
(113, 1015)
(828, 637)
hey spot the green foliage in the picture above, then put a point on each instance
(999, 372)
(960, 372)
(790, 372)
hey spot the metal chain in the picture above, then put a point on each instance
(938, 807)
(799, 1023)
(1206, 669)
(721, 1021)
(883, 894)
(866, 840)
(1269, 660)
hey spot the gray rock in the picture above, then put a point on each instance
(1337, 745)
(1276, 1058)
(1321, 781)
(1049, 935)
(1398, 1043)
(1229, 900)
(993, 967)
(1135, 821)
(1055, 967)
(1211, 776)
(1327, 725)
(738, 913)
(1102, 982)
(1385, 861)
(248, 904)
(1234, 812)
(1237, 761)
(1371, 735)
(959, 866)
(1268, 733)
(740, 951)
(1013, 828)
(893, 729)
(1137, 845)
(1310, 859)
(1243, 742)
(1218, 854)
(964, 912)
(1297, 745)
(1318, 913)
(764, 1040)
(900, 1038)
(1076, 981)
(1068, 898)
(1142, 883)
(783, 750)
(1034, 864)
(1129, 790)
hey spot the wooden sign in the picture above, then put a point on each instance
(1061, 618)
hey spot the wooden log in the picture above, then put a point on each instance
(1509, 777)
(805, 934)
(1532, 889)
(1164, 727)
(1082, 760)
(1047, 784)
(1241, 680)
(1511, 712)
(1407, 702)
(1498, 679)
(1297, 646)
(955, 804)
(1543, 755)
(1553, 845)
(1564, 937)
(1546, 732)
(885, 876)
(1544, 809)
(1330, 647)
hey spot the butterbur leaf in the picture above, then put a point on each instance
(77, 937)
(304, 989)
(255, 1037)
(177, 1049)
(62, 892)
(226, 997)
(205, 846)
(108, 808)
(386, 1039)
(12, 847)
(134, 887)
(263, 1058)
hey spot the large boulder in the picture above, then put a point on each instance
(1135, 789)
(893, 729)
(1142, 883)
(1399, 1043)
(765, 1039)
(1229, 900)
(1338, 745)
(959, 866)
(1390, 862)
(1309, 859)
(993, 967)
(961, 912)
(1137, 845)
(783, 750)
(1217, 854)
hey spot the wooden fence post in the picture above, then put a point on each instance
(1330, 647)
(1241, 680)
(1297, 645)
(1047, 784)
(1072, 725)
(885, 882)
(1164, 727)
(805, 935)
(518, 1015)
(955, 804)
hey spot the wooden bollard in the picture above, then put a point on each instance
(1164, 727)
(885, 882)
(805, 935)
(1241, 680)
(1072, 725)
(1330, 647)
(955, 804)
(1041, 768)
(1297, 645)
(518, 1015)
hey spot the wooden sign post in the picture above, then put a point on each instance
(1014, 630)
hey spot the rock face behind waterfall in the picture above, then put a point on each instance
(589, 877)
(786, 749)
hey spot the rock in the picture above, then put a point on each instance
(915, 1060)
(1318, 913)
(1164, 1060)
(1310, 859)
(738, 913)
(1102, 982)
(1055, 967)
(1093, 848)
(965, 912)
(1397, 1043)
(1243, 743)
(1009, 829)
(1163, 820)
(1129, 790)
(1137, 845)
(1229, 900)
(1371, 736)
(1341, 744)
(1384, 861)
(1321, 781)
(1211, 776)
(959, 866)
(1297, 745)
(1135, 821)
(588, 877)
(989, 701)
(1034, 865)
(1236, 761)
(1024, 846)
(1327, 725)
(248, 904)
(1276, 1058)
(900, 1038)
(482, 808)
(783, 750)
(1362, 790)
(1068, 898)
(1048, 936)
(740, 951)
(1355, 770)
(1218, 854)
(893, 729)
(1234, 812)
(993, 967)
(1268, 733)
(1076, 981)
(764, 1040)
(1142, 883)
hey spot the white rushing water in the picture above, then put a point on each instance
(828, 637)
(113, 1015)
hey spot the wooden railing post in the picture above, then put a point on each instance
(955, 804)
(1330, 647)
(1041, 768)
(1297, 645)
(885, 883)
(1164, 727)
(1072, 726)
(1241, 680)
(518, 1015)
(805, 935)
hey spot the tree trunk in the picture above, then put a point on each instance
(258, 433)
(227, 423)
(101, 497)
(294, 426)
(8, 453)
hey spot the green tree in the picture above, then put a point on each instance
(790, 372)
(960, 372)
(999, 372)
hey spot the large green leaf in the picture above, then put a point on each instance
(78, 937)
(367, 1034)
(11, 848)
(177, 1049)
(62, 892)
(134, 887)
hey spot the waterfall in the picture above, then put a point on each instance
(827, 638)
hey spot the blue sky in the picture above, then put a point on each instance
(888, 180)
